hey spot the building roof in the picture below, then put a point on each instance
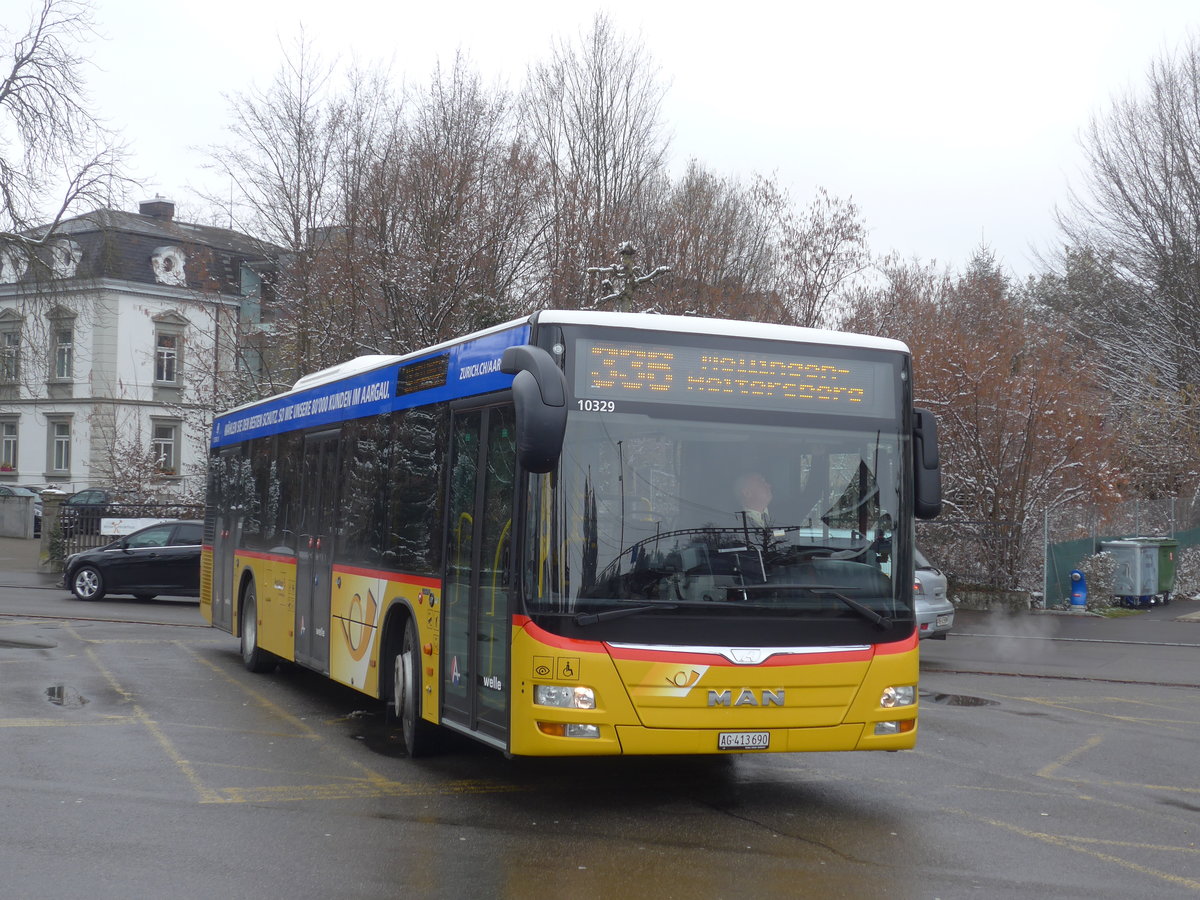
(168, 229)
(149, 247)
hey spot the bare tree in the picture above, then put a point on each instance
(406, 220)
(56, 156)
(1112, 323)
(718, 244)
(1133, 233)
(1020, 431)
(452, 214)
(748, 252)
(57, 159)
(593, 111)
(817, 254)
(281, 163)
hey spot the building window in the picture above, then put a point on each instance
(164, 446)
(60, 367)
(10, 356)
(8, 446)
(60, 446)
(63, 351)
(166, 358)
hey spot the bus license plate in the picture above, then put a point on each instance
(743, 740)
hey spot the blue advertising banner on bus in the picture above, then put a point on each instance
(461, 370)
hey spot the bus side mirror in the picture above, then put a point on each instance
(540, 395)
(927, 474)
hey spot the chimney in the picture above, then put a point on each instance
(158, 208)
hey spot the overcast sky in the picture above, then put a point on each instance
(949, 124)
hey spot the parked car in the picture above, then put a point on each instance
(12, 490)
(82, 511)
(935, 612)
(157, 559)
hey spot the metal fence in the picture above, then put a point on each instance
(1037, 555)
(72, 530)
(1071, 535)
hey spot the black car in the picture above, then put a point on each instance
(158, 559)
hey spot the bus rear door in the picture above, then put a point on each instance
(475, 627)
(226, 533)
(314, 553)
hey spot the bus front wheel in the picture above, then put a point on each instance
(419, 735)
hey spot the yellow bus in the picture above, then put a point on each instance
(590, 533)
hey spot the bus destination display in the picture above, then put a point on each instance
(619, 371)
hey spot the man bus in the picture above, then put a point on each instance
(532, 535)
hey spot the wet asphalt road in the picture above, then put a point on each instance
(1057, 758)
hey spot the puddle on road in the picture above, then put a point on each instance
(65, 696)
(958, 700)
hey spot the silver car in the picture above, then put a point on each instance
(935, 612)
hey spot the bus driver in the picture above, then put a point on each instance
(754, 494)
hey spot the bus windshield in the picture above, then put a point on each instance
(703, 516)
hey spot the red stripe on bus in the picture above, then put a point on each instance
(269, 557)
(418, 580)
(784, 658)
(904, 646)
(711, 659)
(542, 636)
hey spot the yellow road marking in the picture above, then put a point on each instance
(1081, 705)
(1193, 850)
(1074, 844)
(1092, 743)
(1050, 772)
(371, 784)
(360, 790)
(56, 723)
(206, 795)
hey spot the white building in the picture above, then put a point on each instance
(112, 335)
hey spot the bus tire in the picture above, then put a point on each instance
(254, 657)
(420, 737)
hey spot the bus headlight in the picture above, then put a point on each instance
(558, 729)
(903, 695)
(564, 696)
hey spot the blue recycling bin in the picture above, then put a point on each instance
(1078, 591)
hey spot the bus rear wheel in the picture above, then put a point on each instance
(254, 657)
(420, 737)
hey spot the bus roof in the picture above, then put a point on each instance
(644, 321)
(728, 327)
(477, 357)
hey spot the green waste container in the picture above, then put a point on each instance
(1167, 551)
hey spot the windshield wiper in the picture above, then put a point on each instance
(584, 619)
(862, 609)
(821, 551)
(880, 621)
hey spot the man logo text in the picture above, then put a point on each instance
(746, 698)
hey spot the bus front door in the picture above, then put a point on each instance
(314, 553)
(475, 626)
